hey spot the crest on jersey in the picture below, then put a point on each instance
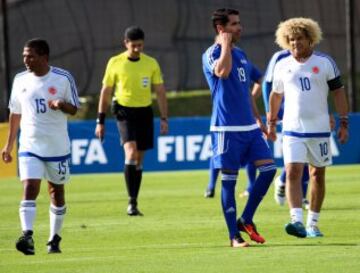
(315, 70)
(52, 90)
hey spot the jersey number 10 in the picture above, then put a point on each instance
(305, 84)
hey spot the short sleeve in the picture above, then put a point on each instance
(211, 57)
(157, 75)
(277, 85)
(14, 103)
(71, 93)
(331, 69)
(109, 76)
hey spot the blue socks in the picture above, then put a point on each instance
(251, 173)
(228, 202)
(261, 186)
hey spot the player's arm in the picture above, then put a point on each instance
(341, 107)
(104, 100)
(224, 63)
(160, 92)
(63, 106)
(14, 125)
(274, 106)
(255, 94)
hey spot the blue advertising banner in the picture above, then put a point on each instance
(186, 147)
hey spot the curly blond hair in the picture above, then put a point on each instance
(298, 25)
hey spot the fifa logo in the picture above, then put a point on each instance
(145, 81)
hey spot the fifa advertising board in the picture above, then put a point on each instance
(186, 147)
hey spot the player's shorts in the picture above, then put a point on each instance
(231, 150)
(315, 151)
(57, 172)
(136, 124)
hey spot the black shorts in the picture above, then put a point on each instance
(135, 124)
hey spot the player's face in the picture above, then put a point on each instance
(300, 44)
(234, 27)
(134, 48)
(34, 62)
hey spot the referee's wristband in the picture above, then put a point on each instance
(101, 118)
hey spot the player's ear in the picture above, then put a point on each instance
(220, 28)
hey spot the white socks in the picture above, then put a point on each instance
(312, 218)
(27, 213)
(296, 215)
(56, 219)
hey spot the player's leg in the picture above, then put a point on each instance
(57, 174)
(126, 123)
(317, 195)
(319, 157)
(260, 154)
(143, 132)
(31, 171)
(251, 175)
(305, 184)
(213, 175)
(57, 213)
(295, 154)
(267, 170)
(132, 176)
(227, 154)
(279, 188)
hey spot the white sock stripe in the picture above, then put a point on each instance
(267, 168)
(130, 162)
(58, 210)
(228, 177)
(28, 204)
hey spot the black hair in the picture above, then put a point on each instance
(134, 33)
(41, 46)
(221, 16)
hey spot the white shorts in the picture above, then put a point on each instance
(315, 151)
(34, 168)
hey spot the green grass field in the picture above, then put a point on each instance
(181, 231)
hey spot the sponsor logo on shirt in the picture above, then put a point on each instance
(24, 90)
(52, 90)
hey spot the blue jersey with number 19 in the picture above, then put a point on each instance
(232, 110)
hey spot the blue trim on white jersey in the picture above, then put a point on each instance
(74, 94)
(21, 73)
(296, 134)
(267, 84)
(336, 70)
(52, 158)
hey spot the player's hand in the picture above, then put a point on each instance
(100, 131)
(225, 39)
(55, 104)
(6, 154)
(164, 127)
(262, 126)
(332, 122)
(271, 133)
(343, 135)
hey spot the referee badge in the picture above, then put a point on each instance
(145, 81)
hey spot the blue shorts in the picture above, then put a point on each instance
(231, 150)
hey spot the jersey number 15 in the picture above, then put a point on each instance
(40, 106)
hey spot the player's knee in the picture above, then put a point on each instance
(268, 170)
